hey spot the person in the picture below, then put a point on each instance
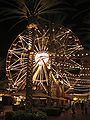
(82, 106)
(86, 107)
(73, 108)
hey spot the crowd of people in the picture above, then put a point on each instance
(83, 106)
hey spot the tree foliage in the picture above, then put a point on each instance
(16, 14)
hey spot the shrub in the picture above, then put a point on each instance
(41, 115)
(21, 115)
(53, 111)
(9, 115)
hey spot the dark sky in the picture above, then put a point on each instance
(72, 13)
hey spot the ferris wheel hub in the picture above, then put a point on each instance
(41, 57)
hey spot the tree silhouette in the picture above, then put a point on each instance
(15, 15)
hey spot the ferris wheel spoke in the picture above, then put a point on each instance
(17, 66)
(72, 50)
(15, 54)
(22, 44)
(14, 63)
(14, 75)
(45, 33)
(45, 48)
(54, 79)
(54, 70)
(67, 79)
(24, 40)
(43, 43)
(16, 50)
(41, 71)
(18, 53)
(18, 83)
(71, 87)
(56, 73)
(20, 74)
(36, 73)
(66, 84)
(19, 78)
(44, 87)
(63, 80)
(76, 64)
(68, 72)
(45, 72)
(39, 46)
(68, 90)
(35, 67)
(36, 48)
(60, 41)
(20, 86)
(60, 35)
(75, 83)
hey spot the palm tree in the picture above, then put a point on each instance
(15, 15)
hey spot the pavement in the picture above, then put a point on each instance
(65, 115)
(68, 115)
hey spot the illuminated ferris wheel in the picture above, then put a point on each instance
(53, 58)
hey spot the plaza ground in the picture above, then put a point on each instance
(68, 115)
(65, 115)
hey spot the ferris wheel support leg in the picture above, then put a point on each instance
(49, 88)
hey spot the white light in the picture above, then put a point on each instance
(61, 82)
(86, 53)
(70, 36)
(57, 75)
(41, 58)
(75, 98)
(49, 66)
(0, 98)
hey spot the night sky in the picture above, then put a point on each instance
(14, 17)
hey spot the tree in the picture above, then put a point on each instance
(15, 14)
